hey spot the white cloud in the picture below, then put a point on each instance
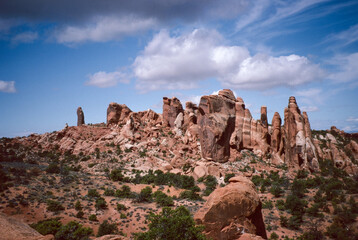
(352, 119)
(263, 72)
(104, 79)
(347, 68)
(309, 108)
(253, 14)
(345, 37)
(181, 62)
(103, 29)
(8, 87)
(25, 37)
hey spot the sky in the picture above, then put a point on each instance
(58, 55)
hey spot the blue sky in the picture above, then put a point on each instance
(58, 55)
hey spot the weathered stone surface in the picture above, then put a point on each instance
(171, 108)
(190, 115)
(178, 124)
(232, 210)
(11, 228)
(80, 117)
(216, 120)
(236, 140)
(117, 113)
(276, 132)
(299, 148)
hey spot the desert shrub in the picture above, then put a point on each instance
(294, 222)
(116, 175)
(280, 204)
(124, 192)
(276, 190)
(73, 231)
(267, 204)
(121, 207)
(54, 206)
(314, 210)
(274, 236)
(49, 226)
(210, 184)
(145, 195)
(93, 218)
(295, 205)
(93, 193)
(80, 214)
(53, 168)
(109, 192)
(3, 179)
(78, 205)
(312, 234)
(191, 195)
(283, 221)
(228, 176)
(100, 203)
(172, 224)
(301, 174)
(107, 228)
(298, 188)
(162, 199)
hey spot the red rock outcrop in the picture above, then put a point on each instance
(216, 120)
(171, 108)
(232, 210)
(299, 149)
(80, 117)
(236, 140)
(117, 113)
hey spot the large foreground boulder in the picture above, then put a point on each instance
(232, 210)
(11, 228)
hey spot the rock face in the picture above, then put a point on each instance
(171, 108)
(80, 117)
(14, 229)
(299, 149)
(232, 210)
(117, 113)
(216, 120)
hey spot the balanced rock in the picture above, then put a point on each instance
(216, 120)
(80, 117)
(232, 210)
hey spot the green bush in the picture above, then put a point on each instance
(93, 218)
(228, 176)
(54, 206)
(73, 231)
(121, 207)
(280, 204)
(295, 205)
(53, 168)
(172, 224)
(145, 195)
(116, 175)
(191, 195)
(78, 205)
(100, 203)
(80, 214)
(162, 199)
(93, 193)
(267, 204)
(49, 226)
(109, 192)
(210, 184)
(107, 228)
(276, 190)
(124, 192)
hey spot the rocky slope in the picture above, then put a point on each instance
(210, 143)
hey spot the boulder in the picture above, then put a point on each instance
(216, 121)
(80, 117)
(232, 210)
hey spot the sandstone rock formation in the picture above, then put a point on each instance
(80, 117)
(232, 210)
(216, 120)
(117, 113)
(299, 149)
(11, 229)
(171, 108)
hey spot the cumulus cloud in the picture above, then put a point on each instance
(180, 62)
(25, 37)
(105, 80)
(7, 86)
(103, 29)
(347, 68)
